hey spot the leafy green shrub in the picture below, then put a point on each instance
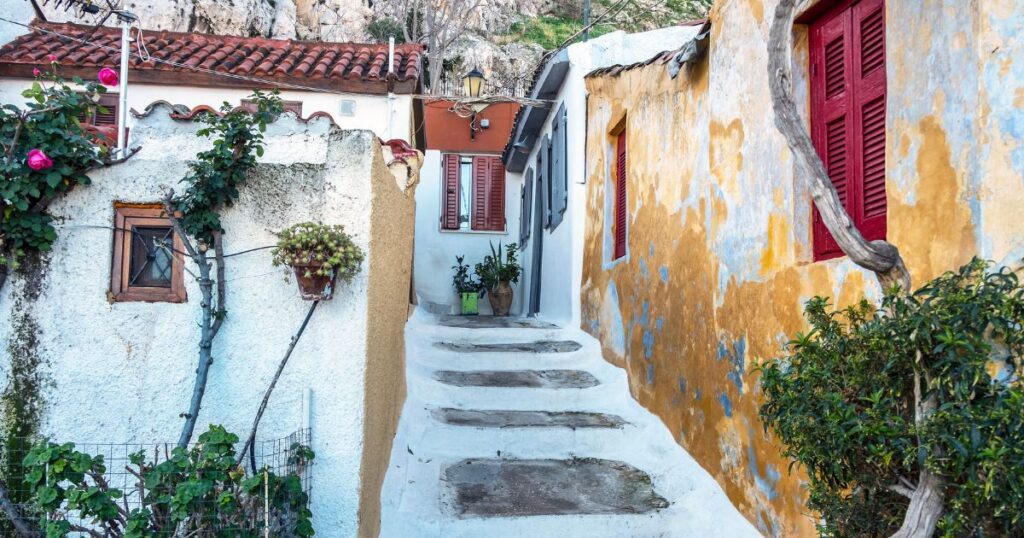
(462, 280)
(495, 269)
(842, 401)
(198, 491)
(325, 245)
(551, 31)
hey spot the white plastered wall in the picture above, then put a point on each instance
(562, 257)
(122, 372)
(435, 249)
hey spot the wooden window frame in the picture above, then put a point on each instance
(105, 132)
(126, 218)
(487, 197)
(858, 100)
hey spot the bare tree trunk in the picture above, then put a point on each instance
(23, 527)
(205, 351)
(251, 439)
(881, 257)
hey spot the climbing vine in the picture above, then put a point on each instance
(47, 152)
(211, 185)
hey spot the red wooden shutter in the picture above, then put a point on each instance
(496, 196)
(848, 115)
(868, 21)
(620, 196)
(450, 193)
(488, 194)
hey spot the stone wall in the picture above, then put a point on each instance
(719, 258)
(122, 372)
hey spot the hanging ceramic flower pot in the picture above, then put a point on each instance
(314, 286)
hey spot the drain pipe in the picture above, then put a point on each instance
(391, 87)
(126, 19)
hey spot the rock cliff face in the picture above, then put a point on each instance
(315, 20)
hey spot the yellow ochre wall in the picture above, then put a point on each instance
(719, 258)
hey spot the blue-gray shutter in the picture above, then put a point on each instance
(559, 164)
(526, 203)
(544, 177)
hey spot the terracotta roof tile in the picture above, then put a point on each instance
(340, 66)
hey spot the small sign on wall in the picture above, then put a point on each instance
(348, 107)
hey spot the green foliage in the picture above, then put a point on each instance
(216, 174)
(313, 243)
(494, 269)
(382, 29)
(198, 491)
(462, 280)
(551, 31)
(47, 122)
(642, 15)
(842, 401)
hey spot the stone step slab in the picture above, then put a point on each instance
(537, 379)
(526, 419)
(493, 322)
(578, 486)
(541, 346)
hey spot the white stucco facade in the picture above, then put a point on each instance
(562, 257)
(123, 371)
(436, 248)
(387, 116)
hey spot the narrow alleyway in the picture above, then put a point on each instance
(518, 428)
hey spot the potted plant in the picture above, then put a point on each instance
(497, 275)
(467, 288)
(319, 254)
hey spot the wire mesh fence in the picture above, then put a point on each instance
(200, 492)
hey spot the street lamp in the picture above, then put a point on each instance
(473, 83)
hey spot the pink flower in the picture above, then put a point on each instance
(108, 77)
(37, 160)
(53, 58)
(36, 72)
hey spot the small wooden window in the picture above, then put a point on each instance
(619, 226)
(103, 123)
(848, 92)
(289, 106)
(147, 263)
(473, 193)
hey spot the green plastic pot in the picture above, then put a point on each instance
(470, 303)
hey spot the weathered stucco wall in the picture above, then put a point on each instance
(122, 372)
(719, 247)
(392, 219)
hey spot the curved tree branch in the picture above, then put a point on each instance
(879, 256)
(926, 500)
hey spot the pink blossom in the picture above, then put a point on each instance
(53, 58)
(37, 160)
(108, 77)
(36, 72)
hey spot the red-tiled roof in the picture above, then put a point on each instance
(336, 66)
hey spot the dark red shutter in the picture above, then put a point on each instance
(869, 123)
(620, 196)
(488, 194)
(848, 115)
(450, 193)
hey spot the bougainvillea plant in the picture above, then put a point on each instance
(322, 248)
(46, 152)
(193, 491)
(842, 401)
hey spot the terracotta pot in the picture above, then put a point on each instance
(501, 298)
(315, 287)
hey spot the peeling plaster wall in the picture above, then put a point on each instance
(719, 247)
(123, 372)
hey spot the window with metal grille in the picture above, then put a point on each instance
(847, 53)
(473, 193)
(147, 262)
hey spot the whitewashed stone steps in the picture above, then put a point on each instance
(546, 465)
